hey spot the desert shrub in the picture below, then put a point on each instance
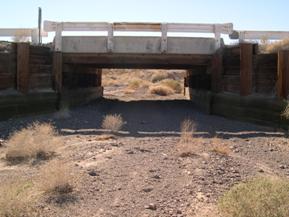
(138, 83)
(159, 76)
(188, 144)
(113, 122)
(285, 112)
(37, 142)
(274, 47)
(17, 199)
(161, 90)
(260, 197)
(56, 178)
(219, 147)
(173, 84)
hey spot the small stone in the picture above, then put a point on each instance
(151, 206)
(130, 152)
(148, 189)
(261, 171)
(282, 167)
(92, 173)
(179, 211)
(156, 177)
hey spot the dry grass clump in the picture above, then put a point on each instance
(113, 122)
(159, 76)
(138, 83)
(219, 147)
(274, 47)
(17, 199)
(173, 84)
(105, 137)
(161, 90)
(285, 113)
(260, 197)
(188, 144)
(36, 142)
(56, 180)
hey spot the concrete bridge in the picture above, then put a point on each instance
(113, 51)
(235, 81)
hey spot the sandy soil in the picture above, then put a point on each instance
(139, 172)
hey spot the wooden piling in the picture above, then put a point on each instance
(283, 74)
(23, 67)
(57, 71)
(246, 68)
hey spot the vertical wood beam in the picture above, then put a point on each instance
(99, 77)
(246, 68)
(217, 72)
(283, 74)
(57, 71)
(23, 67)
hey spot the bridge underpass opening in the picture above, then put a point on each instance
(144, 84)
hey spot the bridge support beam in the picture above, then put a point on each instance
(283, 74)
(23, 67)
(246, 68)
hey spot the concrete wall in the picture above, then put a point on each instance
(131, 44)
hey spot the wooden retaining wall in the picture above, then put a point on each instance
(31, 81)
(251, 86)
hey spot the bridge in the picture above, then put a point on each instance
(235, 81)
(113, 51)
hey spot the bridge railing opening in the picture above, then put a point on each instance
(32, 33)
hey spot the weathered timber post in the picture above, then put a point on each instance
(283, 74)
(22, 67)
(57, 71)
(217, 72)
(246, 68)
(99, 77)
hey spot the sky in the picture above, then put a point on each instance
(244, 14)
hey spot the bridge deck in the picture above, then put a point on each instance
(148, 61)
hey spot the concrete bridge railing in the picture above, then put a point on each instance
(110, 28)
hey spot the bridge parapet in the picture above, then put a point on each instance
(162, 28)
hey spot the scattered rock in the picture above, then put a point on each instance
(261, 171)
(151, 206)
(282, 167)
(92, 173)
(148, 189)
(156, 177)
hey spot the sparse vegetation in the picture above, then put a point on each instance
(161, 90)
(285, 113)
(219, 147)
(57, 181)
(36, 142)
(17, 199)
(273, 47)
(159, 76)
(188, 145)
(173, 84)
(113, 122)
(260, 197)
(138, 83)
(56, 177)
